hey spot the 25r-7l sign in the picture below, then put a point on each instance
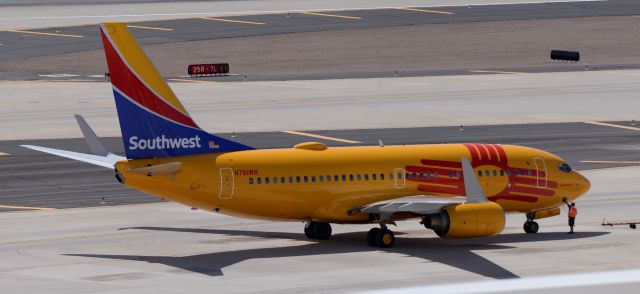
(208, 69)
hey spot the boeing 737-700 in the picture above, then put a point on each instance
(456, 190)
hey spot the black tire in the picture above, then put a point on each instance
(533, 228)
(322, 231)
(527, 227)
(633, 226)
(385, 238)
(371, 237)
(309, 230)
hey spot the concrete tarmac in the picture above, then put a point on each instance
(360, 43)
(167, 248)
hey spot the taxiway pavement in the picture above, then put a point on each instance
(165, 248)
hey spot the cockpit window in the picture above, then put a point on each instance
(564, 167)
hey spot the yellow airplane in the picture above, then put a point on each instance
(457, 190)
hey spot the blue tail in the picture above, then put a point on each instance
(153, 121)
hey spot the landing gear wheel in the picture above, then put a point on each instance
(315, 230)
(531, 227)
(385, 238)
(371, 237)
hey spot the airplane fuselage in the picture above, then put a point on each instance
(309, 183)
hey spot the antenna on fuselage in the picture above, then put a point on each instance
(380, 143)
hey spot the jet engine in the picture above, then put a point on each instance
(467, 220)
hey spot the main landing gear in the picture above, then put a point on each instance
(318, 231)
(530, 226)
(381, 237)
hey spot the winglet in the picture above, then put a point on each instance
(97, 148)
(471, 184)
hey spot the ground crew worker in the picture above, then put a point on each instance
(573, 211)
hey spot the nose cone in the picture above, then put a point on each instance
(583, 184)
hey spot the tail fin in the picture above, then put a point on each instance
(153, 122)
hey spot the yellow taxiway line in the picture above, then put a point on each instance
(495, 72)
(46, 34)
(612, 125)
(321, 137)
(190, 81)
(611, 161)
(26, 207)
(426, 10)
(331, 15)
(234, 21)
(149, 28)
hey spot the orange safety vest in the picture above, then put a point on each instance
(573, 212)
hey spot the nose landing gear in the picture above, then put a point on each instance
(530, 226)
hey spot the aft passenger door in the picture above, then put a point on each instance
(541, 172)
(226, 183)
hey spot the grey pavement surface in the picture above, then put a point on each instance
(382, 41)
(34, 179)
(44, 110)
(167, 248)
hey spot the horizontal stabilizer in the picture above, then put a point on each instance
(97, 148)
(108, 161)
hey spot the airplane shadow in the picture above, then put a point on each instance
(458, 253)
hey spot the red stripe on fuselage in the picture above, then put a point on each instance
(123, 78)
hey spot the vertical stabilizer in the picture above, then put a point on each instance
(153, 122)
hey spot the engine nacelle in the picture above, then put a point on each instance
(467, 220)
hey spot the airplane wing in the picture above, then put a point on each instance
(429, 204)
(100, 156)
(419, 204)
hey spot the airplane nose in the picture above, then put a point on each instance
(583, 185)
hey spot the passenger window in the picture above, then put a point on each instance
(351, 178)
(344, 178)
(359, 177)
(515, 172)
(495, 173)
(450, 174)
(428, 175)
(366, 177)
(306, 179)
(275, 180)
(406, 176)
(336, 178)
(259, 180)
(399, 176)
(436, 175)
(486, 173)
(282, 180)
(320, 179)
(313, 179)
(297, 179)
(390, 176)
(479, 173)
(251, 181)
(266, 180)
(382, 177)
(502, 173)
(458, 174)
(529, 172)
(415, 176)
(373, 177)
